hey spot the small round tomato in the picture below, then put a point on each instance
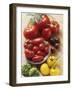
(35, 49)
(43, 21)
(42, 46)
(46, 33)
(29, 54)
(31, 32)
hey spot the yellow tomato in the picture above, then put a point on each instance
(44, 69)
(55, 71)
(51, 60)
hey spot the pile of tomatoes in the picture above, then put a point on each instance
(39, 37)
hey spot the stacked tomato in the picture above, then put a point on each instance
(40, 36)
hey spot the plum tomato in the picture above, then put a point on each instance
(40, 53)
(37, 41)
(29, 54)
(55, 27)
(42, 46)
(37, 58)
(46, 33)
(35, 49)
(43, 21)
(31, 32)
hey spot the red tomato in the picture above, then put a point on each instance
(42, 46)
(40, 53)
(44, 21)
(37, 58)
(35, 49)
(46, 33)
(46, 50)
(28, 46)
(55, 27)
(37, 41)
(29, 54)
(31, 32)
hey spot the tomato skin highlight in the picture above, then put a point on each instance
(37, 41)
(46, 50)
(29, 54)
(37, 58)
(46, 33)
(40, 53)
(31, 32)
(35, 49)
(42, 46)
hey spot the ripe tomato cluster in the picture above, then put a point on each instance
(36, 49)
(39, 37)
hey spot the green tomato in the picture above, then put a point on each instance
(25, 69)
(34, 72)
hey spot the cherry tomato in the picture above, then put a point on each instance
(35, 49)
(43, 21)
(29, 54)
(37, 41)
(37, 58)
(31, 32)
(41, 46)
(46, 33)
(40, 53)
(46, 50)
